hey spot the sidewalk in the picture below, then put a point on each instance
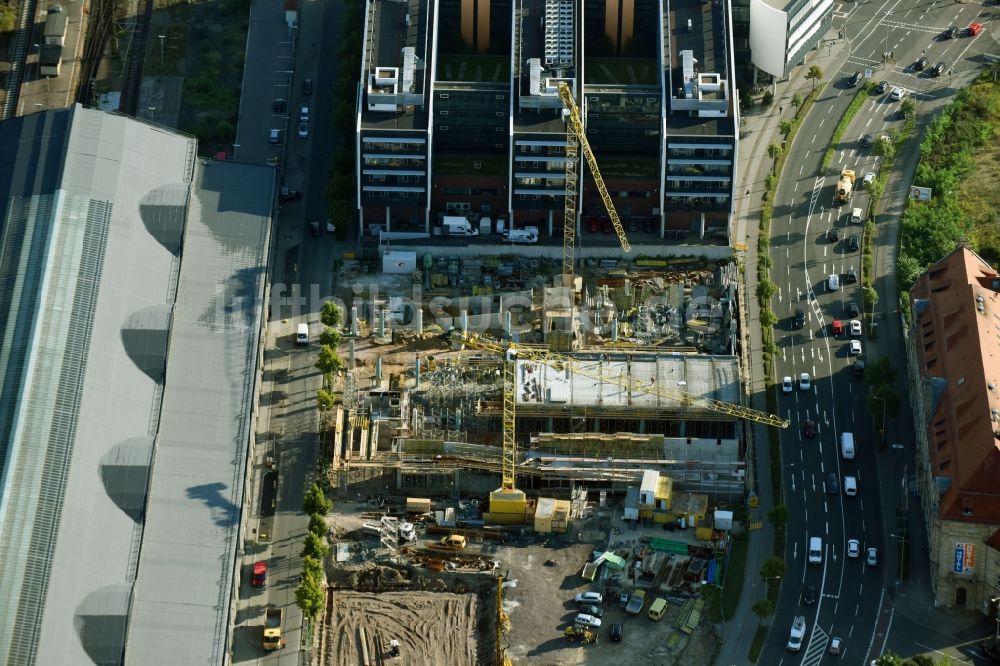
(759, 130)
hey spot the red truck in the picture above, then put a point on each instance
(259, 577)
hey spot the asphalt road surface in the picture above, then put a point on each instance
(854, 600)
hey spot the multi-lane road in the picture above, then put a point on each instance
(853, 600)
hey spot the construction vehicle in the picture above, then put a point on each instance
(272, 630)
(845, 187)
(576, 139)
(453, 541)
(580, 634)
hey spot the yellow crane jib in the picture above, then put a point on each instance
(574, 122)
(560, 362)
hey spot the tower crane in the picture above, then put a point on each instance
(511, 353)
(576, 139)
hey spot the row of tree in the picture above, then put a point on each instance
(310, 593)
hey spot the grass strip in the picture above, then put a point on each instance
(838, 133)
(757, 644)
(734, 575)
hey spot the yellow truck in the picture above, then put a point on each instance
(845, 187)
(272, 630)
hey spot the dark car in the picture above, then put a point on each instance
(833, 235)
(809, 595)
(649, 226)
(800, 319)
(607, 227)
(920, 63)
(617, 631)
(951, 33)
(852, 276)
(855, 79)
(854, 242)
(832, 485)
(314, 229)
(882, 87)
(809, 429)
(289, 195)
(307, 86)
(866, 140)
(633, 226)
(278, 106)
(938, 69)
(596, 611)
(852, 310)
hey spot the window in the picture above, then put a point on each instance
(443, 96)
(443, 128)
(445, 112)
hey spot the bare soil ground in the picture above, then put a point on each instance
(432, 628)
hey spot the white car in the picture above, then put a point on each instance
(804, 381)
(853, 548)
(834, 282)
(587, 620)
(786, 385)
(897, 93)
(850, 486)
(872, 558)
(590, 598)
(855, 348)
(869, 179)
(855, 328)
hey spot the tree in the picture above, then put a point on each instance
(871, 297)
(879, 373)
(331, 314)
(324, 400)
(309, 597)
(814, 73)
(908, 269)
(785, 127)
(313, 546)
(767, 99)
(317, 525)
(316, 501)
(884, 147)
(768, 318)
(762, 608)
(772, 569)
(765, 290)
(329, 361)
(908, 107)
(796, 100)
(330, 337)
(884, 398)
(920, 660)
(312, 569)
(778, 516)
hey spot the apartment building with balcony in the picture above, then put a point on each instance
(474, 125)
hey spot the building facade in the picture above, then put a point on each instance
(954, 374)
(782, 32)
(459, 113)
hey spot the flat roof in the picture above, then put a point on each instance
(711, 377)
(181, 600)
(93, 210)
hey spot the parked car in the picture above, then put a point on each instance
(852, 309)
(289, 195)
(314, 229)
(855, 79)
(853, 548)
(920, 63)
(855, 327)
(809, 429)
(303, 130)
(649, 227)
(274, 136)
(593, 225)
(587, 621)
(617, 631)
(596, 611)
(607, 227)
(307, 86)
(590, 598)
(278, 106)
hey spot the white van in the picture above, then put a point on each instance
(302, 334)
(850, 486)
(833, 282)
(847, 445)
(815, 550)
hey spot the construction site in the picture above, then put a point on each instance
(513, 432)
